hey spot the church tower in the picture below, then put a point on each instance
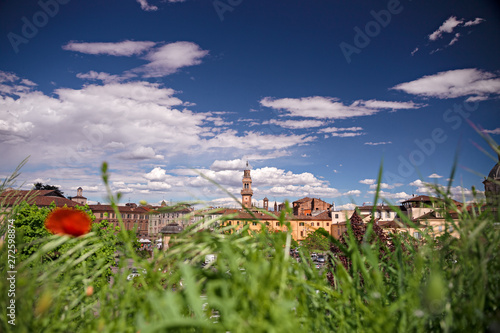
(246, 191)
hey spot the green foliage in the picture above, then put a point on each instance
(442, 285)
(317, 241)
(41, 186)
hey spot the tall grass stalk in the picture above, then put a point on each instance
(440, 284)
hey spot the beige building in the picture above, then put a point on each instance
(163, 215)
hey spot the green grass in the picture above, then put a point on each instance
(444, 285)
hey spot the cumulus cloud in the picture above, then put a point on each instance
(267, 181)
(101, 76)
(169, 58)
(351, 193)
(295, 124)
(126, 48)
(435, 175)
(146, 6)
(140, 153)
(108, 121)
(219, 165)
(332, 108)
(447, 27)
(476, 21)
(367, 181)
(317, 107)
(400, 196)
(382, 186)
(454, 83)
(162, 60)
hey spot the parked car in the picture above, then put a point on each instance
(320, 258)
(135, 272)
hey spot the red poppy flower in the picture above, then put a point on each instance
(68, 221)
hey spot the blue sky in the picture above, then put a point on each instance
(315, 95)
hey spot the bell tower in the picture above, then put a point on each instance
(246, 191)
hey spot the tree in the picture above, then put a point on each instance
(317, 241)
(32, 235)
(40, 186)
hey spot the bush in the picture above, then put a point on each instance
(445, 284)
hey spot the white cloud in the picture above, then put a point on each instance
(418, 183)
(447, 26)
(345, 134)
(382, 186)
(348, 206)
(435, 175)
(294, 124)
(378, 143)
(375, 104)
(116, 121)
(146, 6)
(494, 131)
(140, 153)
(163, 60)
(351, 193)
(317, 107)
(400, 196)
(169, 58)
(332, 108)
(454, 40)
(126, 48)
(102, 76)
(340, 129)
(454, 83)
(219, 165)
(414, 51)
(478, 20)
(368, 181)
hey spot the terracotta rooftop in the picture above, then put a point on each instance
(41, 198)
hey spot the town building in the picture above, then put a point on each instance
(40, 198)
(492, 188)
(246, 191)
(163, 215)
(310, 207)
(79, 199)
(133, 216)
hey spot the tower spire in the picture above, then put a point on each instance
(246, 191)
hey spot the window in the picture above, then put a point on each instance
(277, 224)
(336, 216)
(327, 224)
(312, 224)
(301, 234)
(238, 223)
(440, 228)
(229, 223)
(450, 229)
(254, 223)
(416, 235)
(301, 224)
(317, 224)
